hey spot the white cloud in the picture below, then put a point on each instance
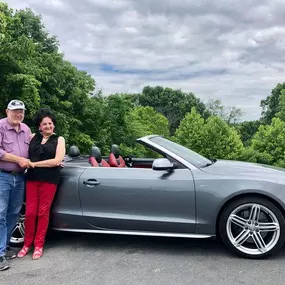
(228, 50)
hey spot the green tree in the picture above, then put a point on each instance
(270, 106)
(32, 69)
(5, 12)
(220, 140)
(94, 123)
(143, 121)
(173, 104)
(230, 114)
(281, 106)
(190, 132)
(116, 108)
(18, 64)
(270, 140)
(213, 138)
(247, 130)
(251, 155)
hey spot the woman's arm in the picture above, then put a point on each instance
(59, 156)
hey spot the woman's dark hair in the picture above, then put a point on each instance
(43, 113)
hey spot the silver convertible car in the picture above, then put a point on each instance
(179, 194)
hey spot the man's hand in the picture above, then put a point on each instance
(23, 163)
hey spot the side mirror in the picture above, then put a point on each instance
(162, 164)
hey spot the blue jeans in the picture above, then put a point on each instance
(11, 199)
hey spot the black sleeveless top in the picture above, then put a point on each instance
(39, 152)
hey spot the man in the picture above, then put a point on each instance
(14, 147)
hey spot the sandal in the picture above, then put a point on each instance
(23, 252)
(38, 253)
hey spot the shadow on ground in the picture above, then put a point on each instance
(140, 244)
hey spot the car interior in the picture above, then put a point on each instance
(113, 159)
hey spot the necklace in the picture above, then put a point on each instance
(45, 138)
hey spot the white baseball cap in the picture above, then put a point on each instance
(16, 105)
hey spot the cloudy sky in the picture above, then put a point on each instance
(231, 50)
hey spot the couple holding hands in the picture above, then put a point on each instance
(29, 167)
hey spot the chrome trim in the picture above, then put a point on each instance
(180, 159)
(136, 233)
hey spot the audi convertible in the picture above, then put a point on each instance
(177, 194)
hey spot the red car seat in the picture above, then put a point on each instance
(115, 160)
(96, 159)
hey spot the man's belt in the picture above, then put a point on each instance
(12, 172)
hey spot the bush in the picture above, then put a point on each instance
(251, 155)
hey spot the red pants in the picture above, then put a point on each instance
(39, 197)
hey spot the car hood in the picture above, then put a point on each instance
(229, 168)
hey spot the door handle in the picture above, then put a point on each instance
(92, 182)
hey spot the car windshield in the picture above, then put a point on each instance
(191, 156)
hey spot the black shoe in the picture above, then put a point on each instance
(3, 263)
(10, 253)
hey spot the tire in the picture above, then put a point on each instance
(18, 233)
(252, 227)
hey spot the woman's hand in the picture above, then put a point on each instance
(31, 164)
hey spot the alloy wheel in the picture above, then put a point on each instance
(18, 233)
(253, 229)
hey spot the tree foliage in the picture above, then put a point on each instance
(270, 140)
(173, 104)
(190, 131)
(281, 106)
(220, 140)
(246, 130)
(143, 121)
(34, 71)
(213, 138)
(251, 155)
(270, 106)
(229, 114)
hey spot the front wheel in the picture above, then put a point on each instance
(252, 227)
(18, 233)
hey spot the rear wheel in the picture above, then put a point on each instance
(252, 227)
(18, 233)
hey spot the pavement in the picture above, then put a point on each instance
(81, 259)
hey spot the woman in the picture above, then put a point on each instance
(46, 152)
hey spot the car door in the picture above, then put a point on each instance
(138, 199)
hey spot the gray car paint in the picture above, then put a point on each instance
(224, 180)
(139, 199)
(185, 202)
